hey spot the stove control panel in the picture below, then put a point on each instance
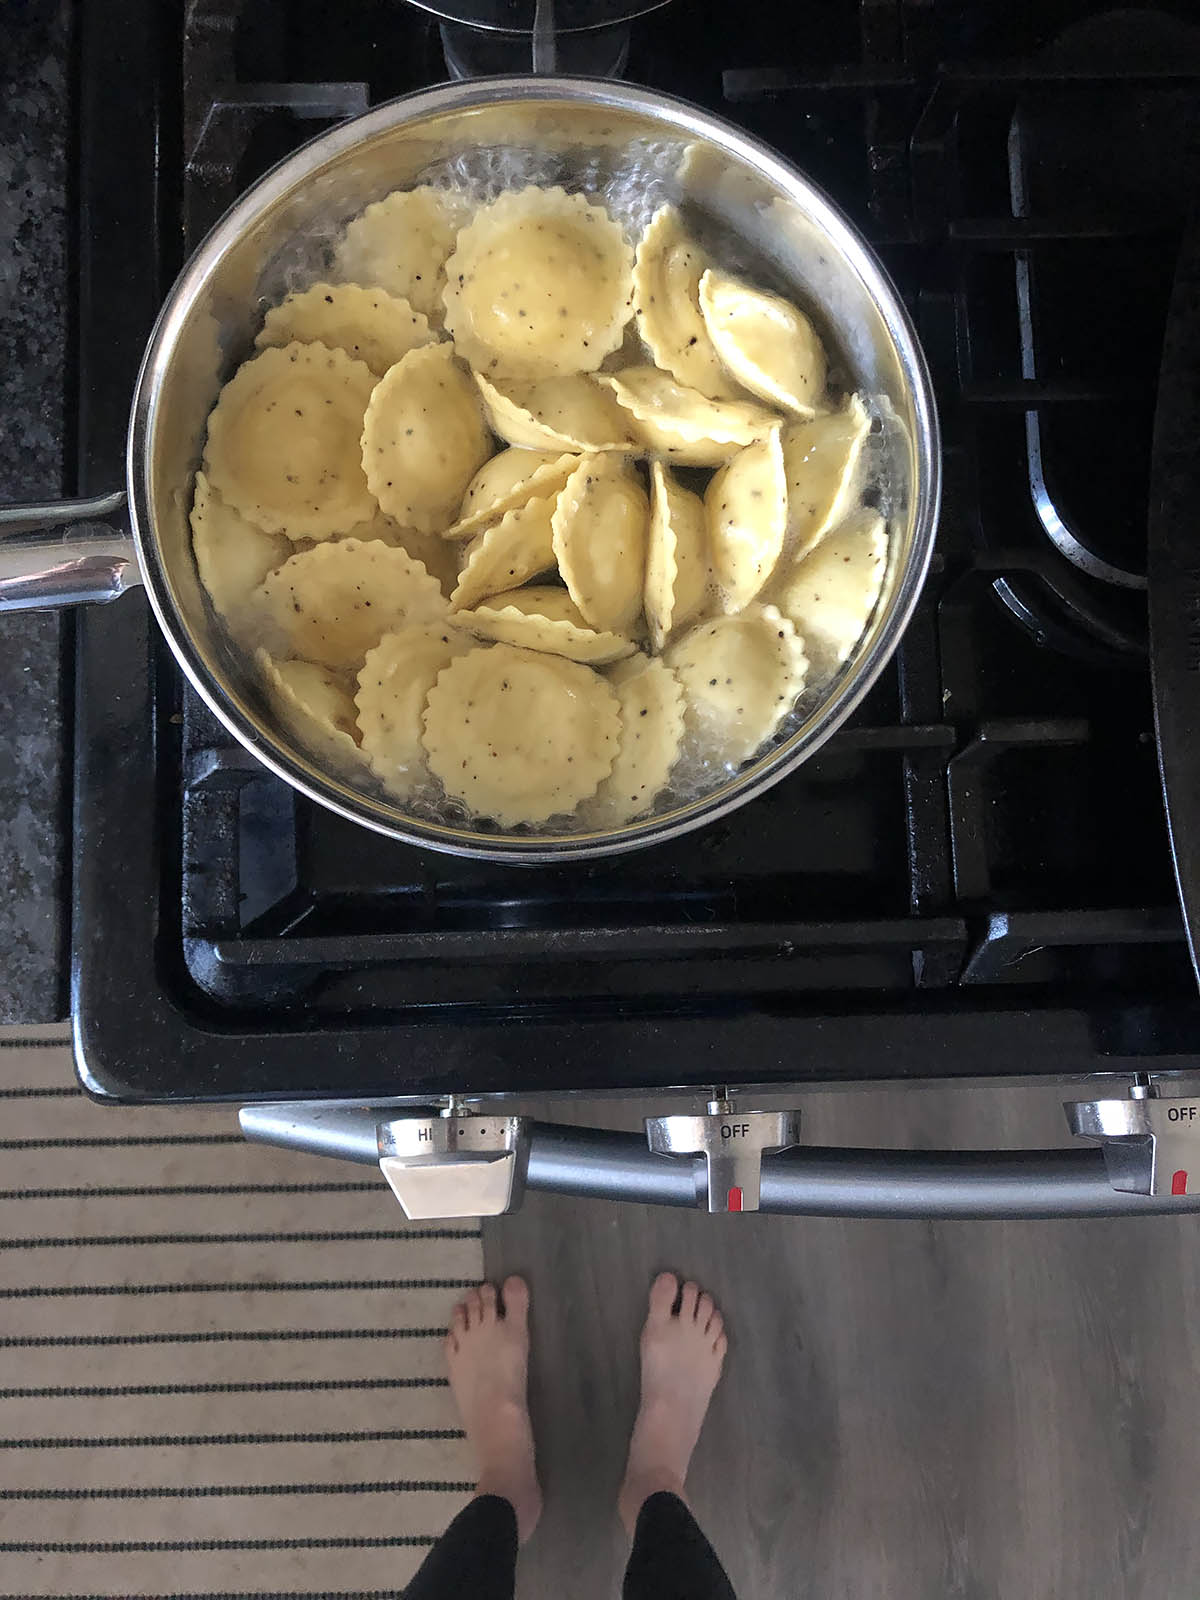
(1151, 1142)
(455, 1164)
(732, 1143)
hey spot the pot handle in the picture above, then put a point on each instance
(66, 553)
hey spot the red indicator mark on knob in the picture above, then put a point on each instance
(1179, 1183)
(735, 1199)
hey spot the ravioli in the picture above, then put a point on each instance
(436, 555)
(746, 506)
(741, 676)
(424, 438)
(333, 603)
(401, 244)
(539, 285)
(677, 571)
(601, 521)
(831, 594)
(768, 344)
(651, 702)
(573, 413)
(518, 547)
(232, 555)
(283, 441)
(683, 424)
(368, 324)
(315, 706)
(667, 271)
(518, 736)
(542, 617)
(821, 460)
(393, 687)
(507, 481)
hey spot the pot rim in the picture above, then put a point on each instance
(771, 767)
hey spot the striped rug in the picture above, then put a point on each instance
(220, 1365)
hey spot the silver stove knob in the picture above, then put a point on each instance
(1151, 1144)
(732, 1143)
(455, 1165)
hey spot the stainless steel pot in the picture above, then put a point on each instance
(81, 551)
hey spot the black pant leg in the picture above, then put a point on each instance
(671, 1559)
(476, 1557)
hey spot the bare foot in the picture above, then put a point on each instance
(682, 1354)
(487, 1351)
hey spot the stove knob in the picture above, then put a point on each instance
(1151, 1144)
(732, 1143)
(456, 1164)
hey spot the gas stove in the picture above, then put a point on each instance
(971, 879)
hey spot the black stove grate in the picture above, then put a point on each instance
(972, 877)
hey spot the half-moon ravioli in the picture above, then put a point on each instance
(821, 458)
(508, 480)
(677, 570)
(393, 686)
(651, 702)
(232, 555)
(333, 603)
(504, 556)
(831, 594)
(741, 676)
(283, 441)
(746, 506)
(519, 736)
(368, 324)
(539, 285)
(400, 244)
(424, 438)
(573, 413)
(683, 424)
(542, 617)
(601, 519)
(667, 271)
(314, 705)
(768, 344)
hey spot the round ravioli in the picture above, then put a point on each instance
(740, 676)
(332, 603)
(393, 687)
(232, 555)
(766, 342)
(439, 558)
(368, 324)
(682, 424)
(518, 547)
(542, 617)
(315, 705)
(400, 244)
(821, 460)
(518, 736)
(574, 413)
(651, 702)
(746, 506)
(667, 271)
(539, 285)
(507, 481)
(424, 438)
(601, 522)
(283, 441)
(831, 594)
(677, 570)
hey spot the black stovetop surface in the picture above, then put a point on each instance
(972, 878)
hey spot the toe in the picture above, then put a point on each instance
(516, 1298)
(474, 1307)
(720, 1346)
(458, 1322)
(688, 1297)
(451, 1343)
(704, 1310)
(487, 1300)
(663, 1293)
(716, 1325)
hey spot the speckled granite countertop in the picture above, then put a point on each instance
(34, 373)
